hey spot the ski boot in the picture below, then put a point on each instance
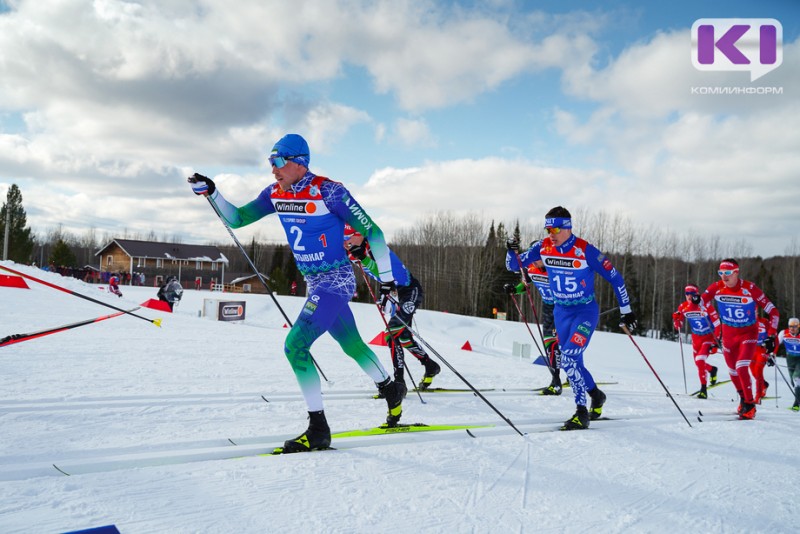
(316, 437)
(713, 375)
(431, 369)
(579, 421)
(703, 394)
(555, 386)
(394, 392)
(598, 400)
(795, 407)
(748, 411)
(552, 389)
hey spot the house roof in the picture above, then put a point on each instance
(170, 251)
(249, 277)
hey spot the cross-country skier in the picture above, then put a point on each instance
(705, 327)
(113, 285)
(552, 351)
(409, 299)
(313, 211)
(790, 338)
(170, 291)
(737, 303)
(571, 264)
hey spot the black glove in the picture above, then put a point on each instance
(359, 252)
(511, 289)
(769, 344)
(202, 185)
(771, 360)
(696, 299)
(385, 290)
(512, 244)
(629, 320)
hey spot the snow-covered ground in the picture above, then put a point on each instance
(123, 392)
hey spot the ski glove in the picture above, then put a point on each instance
(629, 320)
(512, 244)
(769, 344)
(386, 290)
(359, 252)
(511, 289)
(771, 360)
(201, 185)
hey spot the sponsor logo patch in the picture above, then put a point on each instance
(578, 339)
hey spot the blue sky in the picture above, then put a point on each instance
(502, 109)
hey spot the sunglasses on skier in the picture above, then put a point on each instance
(280, 161)
(727, 272)
(553, 231)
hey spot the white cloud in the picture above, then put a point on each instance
(708, 163)
(120, 98)
(413, 132)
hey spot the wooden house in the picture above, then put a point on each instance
(158, 260)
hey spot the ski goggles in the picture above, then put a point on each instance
(553, 231)
(279, 161)
(556, 223)
(727, 272)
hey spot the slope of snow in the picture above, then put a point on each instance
(170, 420)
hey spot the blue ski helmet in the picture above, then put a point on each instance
(293, 145)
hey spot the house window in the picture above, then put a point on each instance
(109, 261)
(159, 263)
(198, 265)
(213, 266)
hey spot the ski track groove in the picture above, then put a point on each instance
(97, 403)
(526, 476)
(82, 461)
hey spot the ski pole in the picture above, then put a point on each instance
(391, 337)
(17, 338)
(608, 311)
(683, 364)
(258, 274)
(791, 389)
(530, 297)
(475, 391)
(156, 322)
(776, 383)
(628, 332)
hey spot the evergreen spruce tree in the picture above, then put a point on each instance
(62, 255)
(20, 238)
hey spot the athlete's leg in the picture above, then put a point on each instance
(345, 332)
(316, 317)
(575, 326)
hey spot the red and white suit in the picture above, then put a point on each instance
(705, 326)
(738, 311)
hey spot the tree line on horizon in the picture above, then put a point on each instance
(460, 262)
